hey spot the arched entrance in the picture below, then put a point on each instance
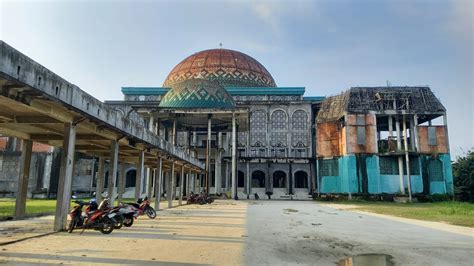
(279, 179)
(258, 179)
(130, 178)
(301, 179)
(240, 179)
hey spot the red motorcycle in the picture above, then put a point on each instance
(96, 217)
(143, 207)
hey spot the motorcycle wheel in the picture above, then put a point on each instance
(107, 226)
(150, 212)
(127, 222)
(71, 225)
(202, 201)
(119, 221)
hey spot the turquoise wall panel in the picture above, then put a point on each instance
(437, 187)
(390, 184)
(373, 174)
(329, 184)
(416, 183)
(448, 172)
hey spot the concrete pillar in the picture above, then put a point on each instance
(400, 159)
(412, 134)
(415, 131)
(234, 157)
(149, 183)
(181, 185)
(22, 190)
(158, 183)
(121, 182)
(407, 158)
(140, 173)
(113, 168)
(227, 176)
(249, 185)
(208, 153)
(173, 134)
(171, 186)
(99, 186)
(445, 123)
(218, 173)
(65, 177)
(188, 183)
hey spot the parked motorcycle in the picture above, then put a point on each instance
(143, 207)
(94, 217)
(128, 212)
(200, 199)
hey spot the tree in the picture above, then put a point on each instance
(463, 172)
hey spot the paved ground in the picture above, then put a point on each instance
(287, 232)
(250, 232)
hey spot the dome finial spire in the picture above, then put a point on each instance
(220, 45)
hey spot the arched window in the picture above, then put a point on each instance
(301, 179)
(258, 179)
(240, 179)
(279, 179)
(130, 178)
(258, 128)
(279, 123)
(299, 127)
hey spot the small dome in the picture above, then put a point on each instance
(227, 67)
(197, 93)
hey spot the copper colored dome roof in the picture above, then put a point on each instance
(227, 67)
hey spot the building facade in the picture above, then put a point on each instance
(289, 146)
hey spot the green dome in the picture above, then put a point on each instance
(197, 93)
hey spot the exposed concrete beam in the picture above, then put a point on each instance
(57, 113)
(14, 133)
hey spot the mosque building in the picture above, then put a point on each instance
(366, 140)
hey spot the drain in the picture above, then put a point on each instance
(367, 260)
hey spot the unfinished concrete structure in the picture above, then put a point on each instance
(382, 140)
(38, 105)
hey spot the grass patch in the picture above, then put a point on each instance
(290, 210)
(451, 212)
(34, 206)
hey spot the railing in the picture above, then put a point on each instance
(274, 152)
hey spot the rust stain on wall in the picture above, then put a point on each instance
(441, 142)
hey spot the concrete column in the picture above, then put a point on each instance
(173, 134)
(412, 134)
(113, 168)
(140, 172)
(158, 183)
(208, 153)
(188, 183)
(445, 122)
(181, 185)
(227, 176)
(407, 158)
(249, 185)
(121, 182)
(234, 157)
(400, 159)
(22, 190)
(218, 175)
(99, 187)
(65, 177)
(415, 131)
(171, 186)
(149, 183)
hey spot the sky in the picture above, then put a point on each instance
(324, 46)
